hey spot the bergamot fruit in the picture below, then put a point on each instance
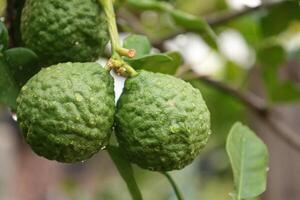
(66, 111)
(162, 122)
(64, 31)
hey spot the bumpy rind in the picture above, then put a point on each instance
(162, 122)
(64, 31)
(66, 111)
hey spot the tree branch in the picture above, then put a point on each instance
(9, 18)
(284, 132)
(250, 100)
(12, 20)
(259, 106)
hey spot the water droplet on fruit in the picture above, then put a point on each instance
(24, 88)
(78, 97)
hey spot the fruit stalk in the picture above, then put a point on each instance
(111, 23)
(175, 188)
(116, 62)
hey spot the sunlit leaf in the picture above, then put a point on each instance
(249, 159)
(2, 7)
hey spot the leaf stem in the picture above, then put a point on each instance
(174, 186)
(116, 62)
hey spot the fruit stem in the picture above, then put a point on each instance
(116, 62)
(111, 23)
(130, 53)
(120, 67)
(175, 187)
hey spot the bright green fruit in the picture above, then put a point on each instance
(66, 111)
(162, 122)
(62, 31)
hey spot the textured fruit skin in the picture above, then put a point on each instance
(162, 122)
(64, 31)
(66, 111)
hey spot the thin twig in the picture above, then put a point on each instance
(175, 188)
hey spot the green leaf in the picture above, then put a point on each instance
(8, 89)
(188, 21)
(185, 20)
(195, 23)
(279, 17)
(249, 159)
(271, 59)
(272, 56)
(125, 170)
(3, 37)
(148, 5)
(23, 64)
(17, 65)
(249, 27)
(139, 43)
(234, 73)
(163, 63)
(177, 59)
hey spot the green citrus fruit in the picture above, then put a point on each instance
(66, 111)
(64, 31)
(162, 122)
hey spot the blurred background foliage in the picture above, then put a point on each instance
(265, 41)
